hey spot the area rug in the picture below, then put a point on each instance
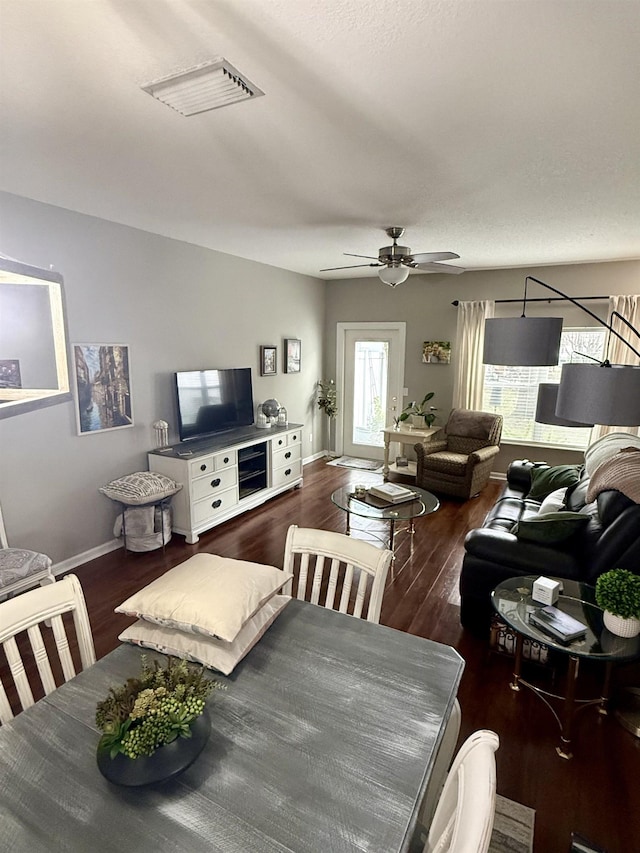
(512, 829)
(352, 462)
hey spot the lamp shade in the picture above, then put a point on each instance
(393, 275)
(526, 341)
(600, 394)
(546, 407)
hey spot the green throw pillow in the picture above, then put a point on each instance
(549, 527)
(547, 480)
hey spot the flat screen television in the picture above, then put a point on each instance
(212, 401)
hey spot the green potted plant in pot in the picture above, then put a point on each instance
(154, 726)
(618, 593)
(421, 414)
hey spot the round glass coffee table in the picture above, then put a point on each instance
(513, 602)
(366, 506)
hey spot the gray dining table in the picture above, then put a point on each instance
(324, 740)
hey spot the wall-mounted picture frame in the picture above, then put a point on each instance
(292, 351)
(10, 373)
(102, 387)
(268, 360)
(436, 352)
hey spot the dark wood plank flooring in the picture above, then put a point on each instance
(596, 793)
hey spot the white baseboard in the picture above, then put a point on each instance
(86, 556)
(99, 551)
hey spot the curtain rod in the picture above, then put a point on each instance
(456, 302)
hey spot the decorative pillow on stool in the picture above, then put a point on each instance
(143, 487)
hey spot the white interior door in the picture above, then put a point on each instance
(370, 374)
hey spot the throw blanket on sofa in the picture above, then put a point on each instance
(621, 472)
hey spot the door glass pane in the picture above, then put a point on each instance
(371, 363)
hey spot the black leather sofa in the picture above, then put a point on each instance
(610, 539)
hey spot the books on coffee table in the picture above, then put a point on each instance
(392, 493)
(558, 624)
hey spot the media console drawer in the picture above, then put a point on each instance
(218, 481)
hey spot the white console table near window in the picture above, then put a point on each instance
(228, 474)
(402, 437)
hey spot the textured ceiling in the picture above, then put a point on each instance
(507, 131)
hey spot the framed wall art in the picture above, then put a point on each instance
(292, 348)
(436, 352)
(102, 387)
(268, 360)
(10, 373)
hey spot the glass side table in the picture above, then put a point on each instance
(513, 602)
(367, 506)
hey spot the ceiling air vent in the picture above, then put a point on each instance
(205, 87)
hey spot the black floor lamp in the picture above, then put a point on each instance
(599, 393)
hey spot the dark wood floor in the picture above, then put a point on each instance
(596, 793)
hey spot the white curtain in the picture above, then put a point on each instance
(619, 353)
(469, 376)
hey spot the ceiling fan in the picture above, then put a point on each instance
(395, 261)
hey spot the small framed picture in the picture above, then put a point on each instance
(436, 352)
(268, 362)
(292, 348)
(102, 387)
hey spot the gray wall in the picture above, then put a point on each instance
(177, 306)
(424, 302)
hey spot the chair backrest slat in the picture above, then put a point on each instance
(25, 614)
(346, 558)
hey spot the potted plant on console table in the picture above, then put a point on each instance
(618, 593)
(421, 415)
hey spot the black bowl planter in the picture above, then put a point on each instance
(166, 762)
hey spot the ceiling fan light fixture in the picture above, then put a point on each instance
(393, 275)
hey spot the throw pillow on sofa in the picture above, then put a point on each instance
(554, 502)
(547, 480)
(550, 528)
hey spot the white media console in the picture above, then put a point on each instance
(226, 475)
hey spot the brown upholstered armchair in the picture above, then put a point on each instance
(460, 463)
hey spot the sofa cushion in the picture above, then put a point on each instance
(447, 462)
(212, 653)
(207, 594)
(547, 480)
(551, 527)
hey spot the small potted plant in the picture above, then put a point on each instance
(421, 414)
(154, 726)
(618, 594)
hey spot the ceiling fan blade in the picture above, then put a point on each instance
(446, 268)
(428, 257)
(371, 258)
(352, 267)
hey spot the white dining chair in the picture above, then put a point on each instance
(324, 561)
(25, 614)
(463, 819)
(21, 568)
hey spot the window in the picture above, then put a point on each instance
(513, 392)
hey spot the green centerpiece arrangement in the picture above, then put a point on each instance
(618, 593)
(154, 726)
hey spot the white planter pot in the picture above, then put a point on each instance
(621, 627)
(418, 422)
